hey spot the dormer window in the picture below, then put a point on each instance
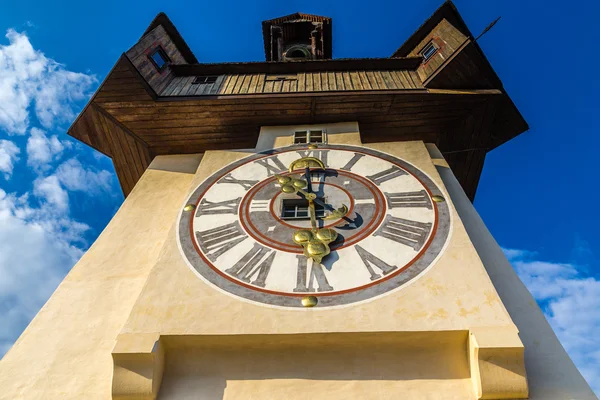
(159, 58)
(429, 51)
(205, 80)
(310, 136)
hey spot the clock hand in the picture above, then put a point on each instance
(335, 213)
(292, 185)
(313, 215)
(315, 242)
(308, 180)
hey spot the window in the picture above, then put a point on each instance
(298, 209)
(204, 80)
(428, 51)
(297, 53)
(310, 136)
(159, 58)
(279, 77)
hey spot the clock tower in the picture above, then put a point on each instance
(295, 228)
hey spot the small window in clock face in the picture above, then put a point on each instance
(299, 209)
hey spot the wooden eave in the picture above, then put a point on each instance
(509, 121)
(131, 126)
(272, 67)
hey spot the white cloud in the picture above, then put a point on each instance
(571, 305)
(73, 176)
(41, 150)
(8, 157)
(50, 190)
(39, 241)
(29, 79)
(36, 251)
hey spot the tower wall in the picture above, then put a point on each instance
(65, 352)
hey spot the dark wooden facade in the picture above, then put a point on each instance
(454, 100)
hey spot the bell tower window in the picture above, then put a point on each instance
(297, 53)
(297, 37)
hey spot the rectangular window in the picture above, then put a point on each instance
(298, 209)
(310, 136)
(281, 77)
(159, 58)
(204, 80)
(429, 50)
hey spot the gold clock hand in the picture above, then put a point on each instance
(313, 215)
(315, 242)
(335, 213)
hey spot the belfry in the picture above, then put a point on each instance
(296, 228)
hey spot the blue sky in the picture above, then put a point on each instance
(536, 192)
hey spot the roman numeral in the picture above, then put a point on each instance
(276, 168)
(221, 207)
(352, 162)
(247, 268)
(246, 184)
(316, 274)
(410, 233)
(409, 199)
(216, 241)
(259, 205)
(386, 175)
(320, 154)
(370, 260)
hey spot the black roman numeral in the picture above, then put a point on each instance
(410, 233)
(316, 274)
(352, 162)
(276, 168)
(386, 175)
(246, 184)
(216, 241)
(320, 154)
(247, 267)
(370, 260)
(409, 199)
(221, 207)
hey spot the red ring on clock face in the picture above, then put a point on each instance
(350, 238)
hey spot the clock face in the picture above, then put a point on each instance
(345, 225)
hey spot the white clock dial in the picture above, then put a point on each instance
(240, 235)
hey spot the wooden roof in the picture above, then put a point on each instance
(132, 118)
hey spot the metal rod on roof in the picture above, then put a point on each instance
(487, 28)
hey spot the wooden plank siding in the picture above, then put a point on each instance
(447, 38)
(138, 55)
(304, 82)
(130, 155)
(122, 85)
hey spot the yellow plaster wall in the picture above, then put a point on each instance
(65, 353)
(134, 281)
